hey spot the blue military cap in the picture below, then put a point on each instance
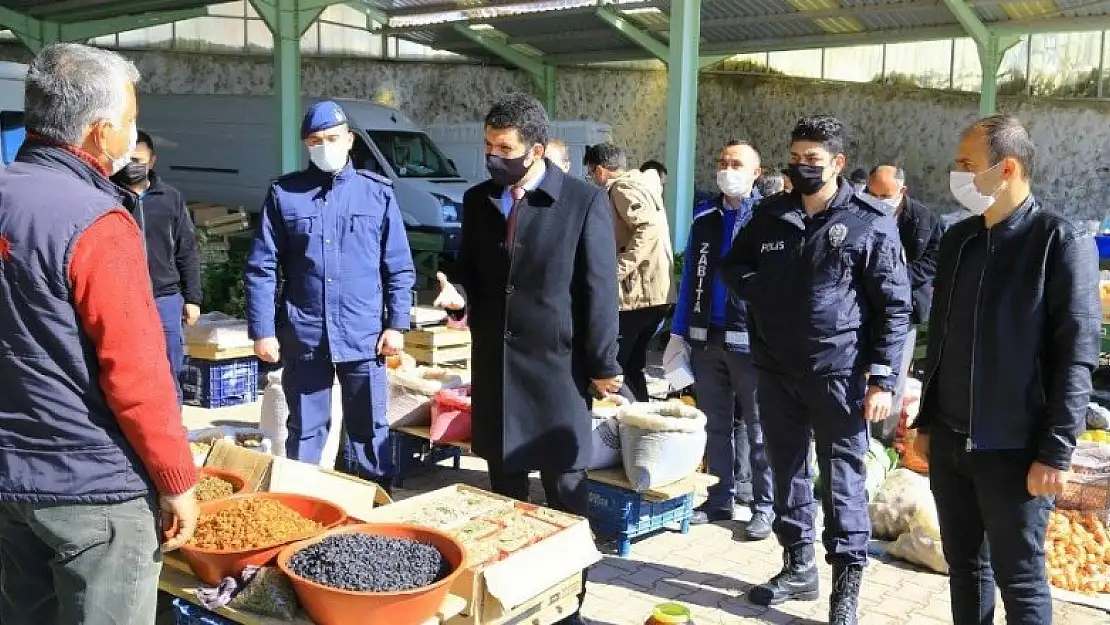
(321, 116)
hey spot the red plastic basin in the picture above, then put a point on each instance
(333, 606)
(212, 565)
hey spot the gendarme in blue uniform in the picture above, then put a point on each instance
(346, 274)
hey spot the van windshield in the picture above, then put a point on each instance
(412, 154)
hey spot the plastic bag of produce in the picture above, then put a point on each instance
(896, 503)
(275, 418)
(411, 392)
(1098, 417)
(1088, 487)
(451, 416)
(661, 442)
(879, 464)
(269, 593)
(917, 547)
(275, 413)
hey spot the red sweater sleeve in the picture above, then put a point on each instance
(111, 290)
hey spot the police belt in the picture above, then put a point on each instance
(714, 335)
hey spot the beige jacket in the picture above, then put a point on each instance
(645, 261)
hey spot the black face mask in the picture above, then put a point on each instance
(807, 179)
(506, 172)
(132, 174)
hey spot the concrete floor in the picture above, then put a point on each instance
(708, 570)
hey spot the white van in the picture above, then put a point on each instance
(12, 132)
(465, 144)
(224, 149)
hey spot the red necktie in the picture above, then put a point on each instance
(510, 230)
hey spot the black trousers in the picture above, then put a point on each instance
(637, 327)
(565, 491)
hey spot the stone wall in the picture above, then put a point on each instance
(915, 128)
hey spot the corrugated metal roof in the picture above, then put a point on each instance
(570, 29)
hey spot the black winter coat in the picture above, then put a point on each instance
(543, 321)
(920, 231)
(827, 295)
(1038, 318)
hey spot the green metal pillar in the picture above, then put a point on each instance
(991, 53)
(543, 75)
(682, 115)
(288, 20)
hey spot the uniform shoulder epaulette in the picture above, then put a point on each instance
(366, 173)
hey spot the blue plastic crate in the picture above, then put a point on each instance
(218, 383)
(625, 514)
(1103, 243)
(411, 452)
(185, 613)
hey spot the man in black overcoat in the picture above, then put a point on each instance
(537, 278)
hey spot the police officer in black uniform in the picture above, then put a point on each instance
(824, 277)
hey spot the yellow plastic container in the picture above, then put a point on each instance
(670, 614)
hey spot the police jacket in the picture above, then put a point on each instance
(920, 231)
(1036, 337)
(828, 294)
(703, 301)
(345, 266)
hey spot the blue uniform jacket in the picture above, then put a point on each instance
(345, 267)
(827, 295)
(680, 323)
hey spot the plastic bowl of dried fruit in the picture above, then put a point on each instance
(389, 573)
(214, 483)
(250, 529)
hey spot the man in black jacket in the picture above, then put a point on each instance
(1013, 340)
(822, 272)
(920, 231)
(171, 248)
(536, 277)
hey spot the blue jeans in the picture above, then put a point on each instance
(170, 309)
(307, 385)
(725, 382)
(75, 564)
(982, 500)
(830, 412)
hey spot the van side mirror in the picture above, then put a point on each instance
(451, 162)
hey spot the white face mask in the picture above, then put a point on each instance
(125, 158)
(734, 182)
(329, 157)
(962, 185)
(891, 203)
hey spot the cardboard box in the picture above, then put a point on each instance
(531, 579)
(266, 473)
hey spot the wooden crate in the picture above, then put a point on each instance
(437, 337)
(213, 352)
(438, 356)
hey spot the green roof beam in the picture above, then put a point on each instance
(630, 31)
(1017, 28)
(80, 31)
(375, 14)
(967, 18)
(706, 62)
(115, 9)
(298, 14)
(543, 75)
(33, 33)
(527, 62)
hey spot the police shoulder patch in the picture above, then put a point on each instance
(365, 173)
